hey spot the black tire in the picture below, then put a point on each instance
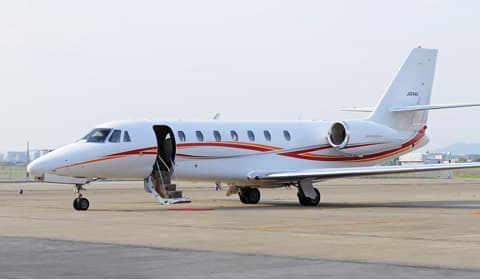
(83, 204)
(249, 195)
(316, 201)
(243, 194)
(243, 198)
(75, 204)
(253, 196)
(307, 201)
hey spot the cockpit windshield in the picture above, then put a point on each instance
(97, 135)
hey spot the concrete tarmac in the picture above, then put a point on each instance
(395, 228)
(42, 258)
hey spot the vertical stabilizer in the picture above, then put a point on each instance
(411, 86)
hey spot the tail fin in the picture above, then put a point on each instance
(412, 86)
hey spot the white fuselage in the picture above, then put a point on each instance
(225, 151)
(249, 155)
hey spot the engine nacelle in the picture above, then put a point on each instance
(359, 137)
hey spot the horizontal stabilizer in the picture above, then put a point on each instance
(359, 109)
(413, 107)
(432, 107)
(332, 173)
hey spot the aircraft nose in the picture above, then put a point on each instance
(36, 168)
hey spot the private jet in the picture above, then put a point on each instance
(250, 155)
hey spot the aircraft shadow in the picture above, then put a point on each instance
(441, 204)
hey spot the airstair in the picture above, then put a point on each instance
(160, 186)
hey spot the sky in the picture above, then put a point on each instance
(66, 66)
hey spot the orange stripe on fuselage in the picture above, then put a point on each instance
(88, 161)
(369, 157)
(300, 154)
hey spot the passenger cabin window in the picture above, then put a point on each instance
(217, 136)
(98, 135)
(181, 136)
(199, 136)
(287, 136)
(267, 134)
(251, 136)
(115, 137)
(234, 135)
(126, 137)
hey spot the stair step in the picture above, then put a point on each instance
(170, 187)
(174, 194)
(167, 180)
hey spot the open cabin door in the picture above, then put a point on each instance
(166, 149)
(158, 183)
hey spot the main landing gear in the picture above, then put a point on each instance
(80, 203)
(249, 195)
(307, 201)
(307, 194)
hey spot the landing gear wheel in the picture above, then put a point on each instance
(81, 204)
(307, 201)
(254, 196)
(249, 195)
(243, 198)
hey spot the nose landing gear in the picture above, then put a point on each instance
(80, 203)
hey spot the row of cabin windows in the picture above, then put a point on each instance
(233, 135)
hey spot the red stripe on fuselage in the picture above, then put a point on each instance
(369, 157)
(305, 154)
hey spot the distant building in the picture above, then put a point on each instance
(21, 157)
(15, 157)
(473, 158)
(38, 153)
(393, 161)
(411, 158)
(431, 158)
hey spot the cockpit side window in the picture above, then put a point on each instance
(97, 135)
(126, 137)
(115, 137)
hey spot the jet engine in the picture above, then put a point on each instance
(359, 137)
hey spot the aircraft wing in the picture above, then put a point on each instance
(331, 173)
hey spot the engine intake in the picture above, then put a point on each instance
(338, 135)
